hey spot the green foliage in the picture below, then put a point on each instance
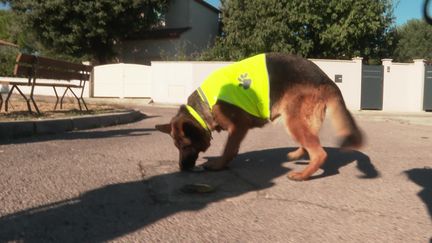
(12, 29)
(87, 29)
(414, 41)
(7, 54)
(7, 60)
(4, 23)
(9, 26)
(310, 28)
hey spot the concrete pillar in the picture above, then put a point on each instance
(387, 63)
(418, 82)
(403, 86)
(357, 84)
(387, 86)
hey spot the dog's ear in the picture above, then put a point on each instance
(196, 135)
(191, 131)
(165, 128)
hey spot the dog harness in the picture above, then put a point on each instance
(244, 84)
(197, 117)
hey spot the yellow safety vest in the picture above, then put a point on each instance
(244, 84)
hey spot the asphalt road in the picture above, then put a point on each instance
(122, 184)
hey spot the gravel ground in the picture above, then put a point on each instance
(18, 110)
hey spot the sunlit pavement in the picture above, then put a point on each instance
(122, 183)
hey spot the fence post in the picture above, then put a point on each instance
(387, 64)
(419, 65)
(358, 81)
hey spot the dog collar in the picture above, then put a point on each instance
(197, 117)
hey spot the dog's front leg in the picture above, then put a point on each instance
(235, 121)
(235, 136)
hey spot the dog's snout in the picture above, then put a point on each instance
(188, 159)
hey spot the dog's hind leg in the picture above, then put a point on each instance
(304, 123)
(297, 154)
(310, 141)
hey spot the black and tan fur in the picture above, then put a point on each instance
(300, 92)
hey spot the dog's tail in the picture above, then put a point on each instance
(346, 127)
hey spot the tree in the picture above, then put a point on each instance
(7, 53)
(310, 28)
(89, 29)
(13, 30)
(4, 23)
(414, 41)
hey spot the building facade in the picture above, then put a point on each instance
(188, 28)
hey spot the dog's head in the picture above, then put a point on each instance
(189, 137)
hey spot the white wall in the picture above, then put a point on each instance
(173, 82)
(351, 78)
(403, 86)
(122, 80)
(175, 86)
(43, 90)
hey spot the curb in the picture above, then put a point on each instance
(18, 129)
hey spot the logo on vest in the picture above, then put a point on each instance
(245, 82)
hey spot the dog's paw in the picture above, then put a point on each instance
(291, 156)
(296, 176)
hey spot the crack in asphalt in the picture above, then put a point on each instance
(141, 170)
(152, 194)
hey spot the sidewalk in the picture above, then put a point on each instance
(417, 118)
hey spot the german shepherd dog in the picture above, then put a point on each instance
(299, 93)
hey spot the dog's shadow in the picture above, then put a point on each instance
(105, 213)
(335, 160)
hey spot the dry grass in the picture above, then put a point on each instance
(18, 110)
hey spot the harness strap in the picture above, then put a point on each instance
(198, 118)
(203, 97)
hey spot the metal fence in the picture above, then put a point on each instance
(427, 97)
(372, 87)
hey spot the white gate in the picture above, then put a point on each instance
(122, 80)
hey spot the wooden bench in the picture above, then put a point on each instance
(47, 72)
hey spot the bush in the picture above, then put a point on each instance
(7, 60)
